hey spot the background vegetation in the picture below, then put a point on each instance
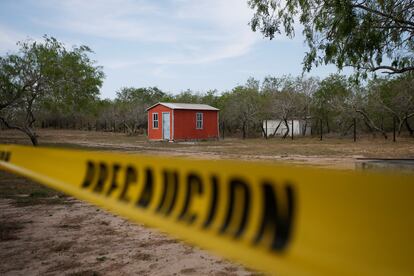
(46, 85)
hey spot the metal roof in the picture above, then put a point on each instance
(186, 106)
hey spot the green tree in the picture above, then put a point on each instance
(351, 33)
(392, 97)
(211, 98)
(146, 95)
(329, 100)
(242, 107)
(187, 96)
(45, 75)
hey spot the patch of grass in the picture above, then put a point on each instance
(25, 192)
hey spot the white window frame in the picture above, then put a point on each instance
(201, 120)
(157, 120)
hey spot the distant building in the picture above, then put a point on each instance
(182, 121)
(278, 127)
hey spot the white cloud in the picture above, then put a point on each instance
(8, 39)
(190, 32)
(123, 19)
(238, 46)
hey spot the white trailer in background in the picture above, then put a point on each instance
(278, 127)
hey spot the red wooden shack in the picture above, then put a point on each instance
(181, 121)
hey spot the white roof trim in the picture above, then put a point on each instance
(185, 106)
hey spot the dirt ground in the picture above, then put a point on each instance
(43, 232)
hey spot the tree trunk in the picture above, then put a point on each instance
(321, 129)
(347, 130)
(305, 127)
(26, 130)
(405, 120)
(407, 124)
(371, 124)
(263, 131)
(287, 128)
(400, 124)
(276, 129)
(127, 129)
(33, 139)
(328, 129)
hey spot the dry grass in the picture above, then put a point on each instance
(366, 146)
(332, 152)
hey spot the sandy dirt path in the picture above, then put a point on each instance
(76, 238)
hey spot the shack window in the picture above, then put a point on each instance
(199, 120)
(154, 120)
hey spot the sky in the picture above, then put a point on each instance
(172, 44)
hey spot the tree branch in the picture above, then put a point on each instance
(9, 126)
(393, 69)
(389, 16)
(370, 122)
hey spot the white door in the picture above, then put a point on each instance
(166, 126)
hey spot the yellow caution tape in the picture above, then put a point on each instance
(275, 218)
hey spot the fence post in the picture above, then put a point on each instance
(321, 128)
(292, 129)
(266, 129)
(354, 130)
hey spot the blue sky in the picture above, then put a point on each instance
(173, 44)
